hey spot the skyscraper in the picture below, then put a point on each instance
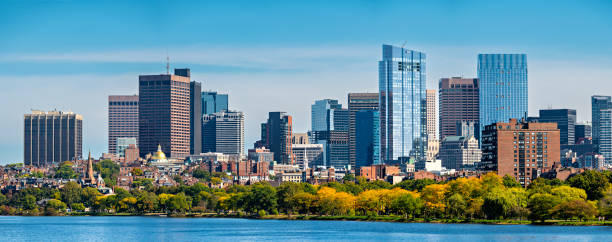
(122, 119)
(223, 132)
(403, 127)
(276, 135)
(583, 133)
(195, 118)
(605, 134)
(367, 132)
(52, 137)
(356, 103)
(164, 116)
(503, 87)
(213, 102)
(431, 113)
(458, 103)
(330, 124)
(598, 103)
(565, 120)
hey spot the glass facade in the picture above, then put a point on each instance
(503, 87)
(566, 121)
(605, 134)
(321, 117)
(598, 103)
(367, 133)
(123, 143)
(212, 102)
(402, 82)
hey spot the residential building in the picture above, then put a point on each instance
(403, 127)
(223, 132)
(378, 172)
(122, 119)
(431, 113)
(459, 102)
(565, 120)
(52, 137)
(213, 102)
(163, 114)
(361, 102)
(520, 149)
(366, 137)
(276, 135)
(598, 103)
(459, 152)
(503, 87)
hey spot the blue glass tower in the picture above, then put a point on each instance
(322, 114)
(367, 133)
(598, 103)
(212, 102)
(403, 132)
(503, 87)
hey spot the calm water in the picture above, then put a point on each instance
(209, 229)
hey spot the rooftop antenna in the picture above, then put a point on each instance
(167, 64)
(404, 44)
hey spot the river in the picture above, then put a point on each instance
(114, 228)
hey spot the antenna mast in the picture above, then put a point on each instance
(167, 64)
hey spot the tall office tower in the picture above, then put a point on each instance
(598, 103)
(276, 135)
(503, 87)
(307, 155)
(195, 110)
(583, 133)
(467, 128)
(163, 114)
(122, 119)
(605, 134)
(223, 132)
(459, 152)
(520, 149)
(431, 113)
(356, 103)
(52, 137)
(330, 124)
(367, 132)
(459, 102)
(213, 102)
(565, 120)
(320, 114)
(403, 128)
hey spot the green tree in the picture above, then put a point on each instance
(65, 171)
(593, 182)
(510, 181)
(262, 196)
(574, 208)
(540, 205)
(71, 193)
(407, 205)
(605, 204)
(302, 202)
(348, 178)
(456, 206)
(497, 203)
(109, 171)
(284, 192)
(137, 172)
(54, 207)
(89, 196)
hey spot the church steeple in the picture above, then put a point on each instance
(90, 177)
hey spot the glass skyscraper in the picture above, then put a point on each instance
(598, 103)
(322, 114)
(403, 131)
(367, 149)
(605, 134)
(212, 102)
(503, 87)
(330, 126)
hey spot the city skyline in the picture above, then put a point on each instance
(58, 72)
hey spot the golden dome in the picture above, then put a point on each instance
(159, 155)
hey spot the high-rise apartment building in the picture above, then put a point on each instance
(459, 152)
(223, 132)
(431, 113)
(503, 87)
(598, 103)
(565, 120)
(403, 127)
(52, 137)
(459, 102)
(520, 149)
(164, 114)
(276, 135)
(122, 119)
(361, 102)
(367, 133)
(213, 102)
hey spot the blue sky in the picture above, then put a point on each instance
(282, 55)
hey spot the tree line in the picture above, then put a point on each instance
(584, 196)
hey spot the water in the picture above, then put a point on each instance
(221, 229)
